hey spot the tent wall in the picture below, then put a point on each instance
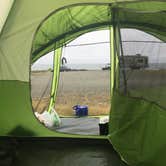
(137, 130)
(5, 9)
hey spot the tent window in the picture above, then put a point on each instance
(144, 65)
(84, 81)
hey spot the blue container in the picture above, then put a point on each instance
(80, 110)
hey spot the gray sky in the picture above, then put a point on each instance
(99, 54)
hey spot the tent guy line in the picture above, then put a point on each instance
(107, 42)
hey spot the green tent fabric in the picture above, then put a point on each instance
(137, 131)
(31, 29)
(5, 11)
(75, 23)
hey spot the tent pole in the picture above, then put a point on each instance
(55, 79)
(112, 52)
(117, 45)
(115, 54)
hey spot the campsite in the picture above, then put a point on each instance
(112, 115)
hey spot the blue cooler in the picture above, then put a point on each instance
(80, 110)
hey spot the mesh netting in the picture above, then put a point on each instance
(143, 66)
(41, 78)
(83, 81)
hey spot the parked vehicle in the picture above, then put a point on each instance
(134, 61)
(106, 67)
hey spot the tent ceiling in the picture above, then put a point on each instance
(65, 25)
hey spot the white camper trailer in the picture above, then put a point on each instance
(134, 61)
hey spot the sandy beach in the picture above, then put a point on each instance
(75, 87)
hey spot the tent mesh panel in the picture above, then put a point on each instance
(143, 68)
(41, 78)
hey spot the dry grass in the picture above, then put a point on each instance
(89, 88)
(64, 107)
(40, 105)
(93, 110)
(98, 103)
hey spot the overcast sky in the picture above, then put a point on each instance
(99, 54)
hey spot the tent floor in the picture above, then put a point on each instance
(83, 125)
(57, 152)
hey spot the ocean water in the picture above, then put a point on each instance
(152, 66)
(71, 66)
